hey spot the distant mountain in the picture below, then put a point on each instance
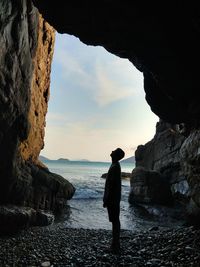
(129, 160)
(42, 158)
(63, 159)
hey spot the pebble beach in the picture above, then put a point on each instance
(61, 247)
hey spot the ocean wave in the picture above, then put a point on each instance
(87, 193)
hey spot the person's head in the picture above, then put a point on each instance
(117, 154)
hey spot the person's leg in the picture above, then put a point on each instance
(113, 213)
(116, 234)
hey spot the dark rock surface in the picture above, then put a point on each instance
(15, 218)
(162, 154)
(18, 42)
(26, 44)
(50, 246)
(142, 32)
(149, 187)
(190, 159)
(176, 157)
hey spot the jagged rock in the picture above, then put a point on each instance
(149, 187)
(27, 43)
(142, 32)
(177, 158)
(15, 218)
(193, 213)
(18, 42)
(162, 154)
(190, 161)
(50, 190)
(30, 148)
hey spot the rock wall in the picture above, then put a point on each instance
(18, 42)
(190, 162)
(31, 147)
(26, 45)
(165, 50)
(162, 154)
(174, 155)
(160, 157)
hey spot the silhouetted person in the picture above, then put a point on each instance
(112, 196)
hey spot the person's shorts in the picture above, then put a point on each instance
(113, 212)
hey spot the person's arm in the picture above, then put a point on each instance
(111, 185)
(106, 192)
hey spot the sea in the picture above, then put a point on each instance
(85, 209)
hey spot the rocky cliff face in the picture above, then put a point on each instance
(162, 154)
(18, 42)
(164, 49)
(175, 157)
(40, 83)
(26, 44)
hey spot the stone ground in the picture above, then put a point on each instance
(62, 247)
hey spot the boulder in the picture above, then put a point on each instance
(149, 187)
(190, 162)
(14, 218)
(162, 154)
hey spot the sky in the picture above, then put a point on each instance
(97, 103)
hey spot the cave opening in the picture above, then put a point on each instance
(97, 103)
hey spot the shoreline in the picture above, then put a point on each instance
(59, 246)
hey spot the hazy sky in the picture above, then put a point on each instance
(97, 104)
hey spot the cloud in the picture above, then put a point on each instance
(106, 77)
(109, 90)
(81, 140)
(71, 68)
(85, 127)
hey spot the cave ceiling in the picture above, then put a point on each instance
(162, 39)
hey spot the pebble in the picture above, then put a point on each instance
(56, 246)
(46, 264)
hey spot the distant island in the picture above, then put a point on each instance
(63, 159)
(42, 158)
(129, 160)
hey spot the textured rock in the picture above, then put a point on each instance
(18, 42)
(14, 218)
(26, 44)
(50, 190)
(142, 32)
(31, 147)
(177, 158)
(162, 154)
(149, 187)
(190, 160)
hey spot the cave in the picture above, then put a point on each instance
(161, 40)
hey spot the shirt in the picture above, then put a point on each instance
(112, 192)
